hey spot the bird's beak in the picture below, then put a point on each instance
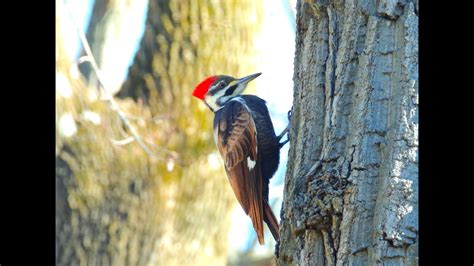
(243, 81)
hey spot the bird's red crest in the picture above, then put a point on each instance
(202, 88)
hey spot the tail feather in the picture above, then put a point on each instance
(271, 220)
(257, 222)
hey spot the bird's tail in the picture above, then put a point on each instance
(271, 220)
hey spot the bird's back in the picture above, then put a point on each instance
(266, 138)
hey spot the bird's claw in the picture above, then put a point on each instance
(286, 131)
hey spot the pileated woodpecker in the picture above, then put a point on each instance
(246, 140)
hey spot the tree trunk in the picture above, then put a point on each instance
(351, 188)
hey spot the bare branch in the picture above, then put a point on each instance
(108, 97)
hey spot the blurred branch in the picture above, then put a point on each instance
(108, 97)
(83, 59)
(122, 142)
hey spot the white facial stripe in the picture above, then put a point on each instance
(211, 100)
(224, 99)
(240, 88)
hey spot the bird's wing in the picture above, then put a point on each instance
(237, 143)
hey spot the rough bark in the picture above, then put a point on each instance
(351, 188)
(115, 204)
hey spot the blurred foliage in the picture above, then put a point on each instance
(115, 204)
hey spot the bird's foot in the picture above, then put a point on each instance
(281, 144)
(285, 131)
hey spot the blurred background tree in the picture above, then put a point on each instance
(115, 204)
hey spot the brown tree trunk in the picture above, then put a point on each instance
(351, 188)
